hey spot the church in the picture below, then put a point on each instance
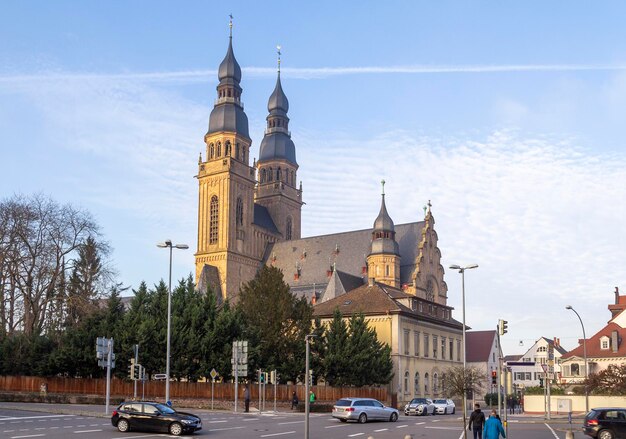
(249, 214)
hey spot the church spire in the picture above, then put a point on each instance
(383, 261)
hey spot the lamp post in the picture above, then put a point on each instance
(168, 244)
(585, 355)
(307, 340)
(462, 271)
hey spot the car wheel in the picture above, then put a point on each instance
(454, 410)
(445, 411)
(176, 429)
(123, 426)
(343, 420)
(605, 434)
(362, 418)
(393, 417)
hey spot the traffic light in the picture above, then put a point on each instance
(310, 377)
(273, 377)
(131, 369)
(502, 326)
(137, 372)
(261, 377)
(265, 378)
(494, 376)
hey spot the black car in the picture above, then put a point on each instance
(152, 416)
(606, 423)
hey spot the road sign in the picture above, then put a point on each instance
(159, 376)
(213, 374)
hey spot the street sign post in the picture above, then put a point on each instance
(213, 376)
(239, 363)
(106, 358)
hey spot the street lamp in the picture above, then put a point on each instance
(585, 355)
(307, 340)
(168, 244)
(462, 271)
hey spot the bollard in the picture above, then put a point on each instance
(408, 436)
(569, 434)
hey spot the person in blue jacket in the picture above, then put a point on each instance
(493, 427)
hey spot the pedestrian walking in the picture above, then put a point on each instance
(493, 427)
(311, 397)
(246, 398)
(477, 422)
(294, 401)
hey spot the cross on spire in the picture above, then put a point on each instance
(278, 51)
(230, 25)
(382, 182)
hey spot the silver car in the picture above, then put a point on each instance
(419, 407)
(444, 406)
(363, 410)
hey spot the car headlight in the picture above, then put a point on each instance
(188, 421)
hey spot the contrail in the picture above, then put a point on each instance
(307, 72)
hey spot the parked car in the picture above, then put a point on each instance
(152, 416)
(606, 423)
(419, 407)
(444, 406)
(363, 410)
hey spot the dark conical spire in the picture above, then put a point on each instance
(383, 222)
(383, 233)
(229, 68)
(278, 100)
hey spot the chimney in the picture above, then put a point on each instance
(617, 295)
(555, 341)
(614, 341)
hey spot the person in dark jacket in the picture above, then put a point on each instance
(294, 401)
(476, 422)
(246, 398)
(493, 427)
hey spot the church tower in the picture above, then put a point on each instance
(277, 167)
(226, 189)
(383, 262)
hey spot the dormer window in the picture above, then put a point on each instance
(604, 343)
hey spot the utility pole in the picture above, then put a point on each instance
(109, 355)
(136, 362)
(236, 366)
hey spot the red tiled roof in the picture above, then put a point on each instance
(478, 345)
(593, 344)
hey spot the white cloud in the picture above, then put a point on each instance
(541, 215)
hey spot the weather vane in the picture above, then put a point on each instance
(230, 24)
(278, 51)
(382, 182)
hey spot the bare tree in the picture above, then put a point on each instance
(458, 380)
(37, 236)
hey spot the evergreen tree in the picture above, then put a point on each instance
(370, 358)
(279, 321)
(336, 361)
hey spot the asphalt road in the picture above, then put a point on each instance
(23, 424)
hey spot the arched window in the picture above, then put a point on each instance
(279, 175)
(227, 148)
(443, 383)
(213, 222)
(288, 229)
(237, 151)
(575, 369)
(416, 383)
(239, 213)
(293, 178)
(387, 270)
(218, 153)
(211, 151)
(426, 377)
(243, 155)
(263, 175)
(270, 174)
(406, 382)
(435, 383)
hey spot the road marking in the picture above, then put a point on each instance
(553, 433)
(86, 431)
(419, 423)
(444, 428)
(290, 422)
(30, 435)
(382, 429)
(335, 426)
(462, 433)
(215, 422)
(356, 434)
(278, 434)
(38, 417)
(228, 428)
(435, 420)
(402, 426)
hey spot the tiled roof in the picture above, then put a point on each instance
(262, 218)
(347, 251)
(508, 358)
(593, 344)
(478, 345)
(375, 300)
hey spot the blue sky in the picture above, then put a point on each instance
(509, 117)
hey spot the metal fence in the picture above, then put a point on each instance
(179, 389)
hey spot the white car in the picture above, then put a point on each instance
(444, 406)
(419, 407)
